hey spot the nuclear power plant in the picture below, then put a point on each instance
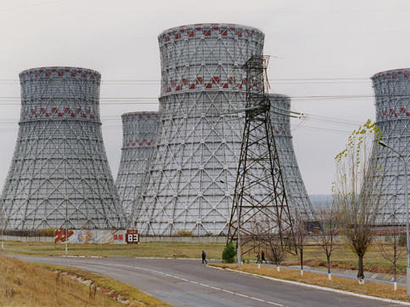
(392, 92)
(59, 175)
(297, 196)
(138, 143)
(178, 166)
(191, 179)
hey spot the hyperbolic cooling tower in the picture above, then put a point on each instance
(392, 91)
(296, 193)
(59, 175)
(193, 170)
(138, 142)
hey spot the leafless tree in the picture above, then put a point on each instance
(301, 234)
(276, 252)
(356, 191)
(390, 250)
(327, 217)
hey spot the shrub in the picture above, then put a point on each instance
(46, 232)
(185, 233)
(229, 253)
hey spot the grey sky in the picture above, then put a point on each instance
(323, 53)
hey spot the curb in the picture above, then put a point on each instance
(386, 300)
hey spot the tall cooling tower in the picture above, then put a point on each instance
(194, 166)
(392, 91)
(137, 146)
(59, 175)
(297, 196)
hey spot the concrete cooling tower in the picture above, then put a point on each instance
(296, 193)
(59, 175)
(193, 170)
(137, 146)
(392, 91)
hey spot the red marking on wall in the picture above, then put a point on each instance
(60, 235)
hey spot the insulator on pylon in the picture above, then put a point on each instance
(392, 93)
(192, 175)
(138, 143)
(298, 199)
(59, 176)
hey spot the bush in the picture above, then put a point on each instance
(46, 232)
(185, 233)
(229, 253)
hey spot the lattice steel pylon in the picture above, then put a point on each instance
(193, 169)
(59, 176)
(297, 196)
(257, 216)
(139, 130)
(392, 93)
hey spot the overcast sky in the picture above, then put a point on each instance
(323, 53)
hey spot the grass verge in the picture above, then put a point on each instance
(28, 284)
(369, 288)
(144, 249)
(23, 284)
(110, 287)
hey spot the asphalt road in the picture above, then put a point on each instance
(189, 283)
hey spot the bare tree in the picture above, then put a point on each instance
(356, 191)
(326, 238)
(390, 248)
(276, 252)
(301, 234)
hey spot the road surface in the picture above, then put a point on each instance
(189, 283)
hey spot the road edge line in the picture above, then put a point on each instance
(387, 300)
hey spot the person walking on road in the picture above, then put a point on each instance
(204, 257)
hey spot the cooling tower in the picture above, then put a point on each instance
(298, 199)
(193, 170)
(392, 91)
(59, 175)
(137, 146)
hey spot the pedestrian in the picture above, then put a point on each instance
(263, 257)
(204, 257)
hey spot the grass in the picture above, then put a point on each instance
(144, 249)
(369, 288)
(26, 284)
(23, 284)
(110, 286)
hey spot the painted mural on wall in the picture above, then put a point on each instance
(90, 236)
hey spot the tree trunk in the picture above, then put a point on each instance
(301, 258)
(328, 264)
(395, 272)
(360, 273)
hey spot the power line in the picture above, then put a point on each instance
(272, 80)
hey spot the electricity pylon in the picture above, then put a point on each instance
(258, 217)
